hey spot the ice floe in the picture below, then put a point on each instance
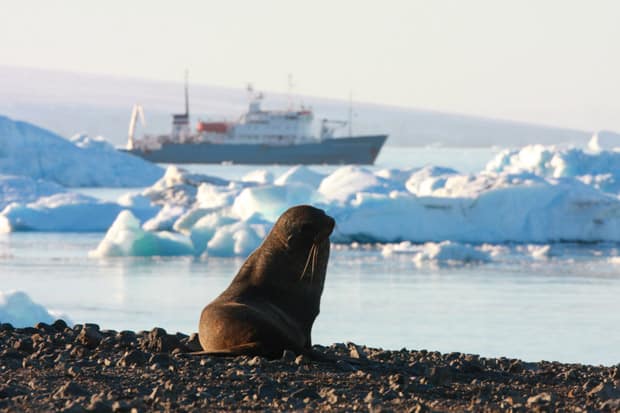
(18, 309)
(127, 238)
(28, 150)
(600, 169)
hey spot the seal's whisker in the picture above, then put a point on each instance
(303, 273)
(315, 254)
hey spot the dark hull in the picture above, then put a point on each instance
(362, 150)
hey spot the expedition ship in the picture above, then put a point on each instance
(258, 137)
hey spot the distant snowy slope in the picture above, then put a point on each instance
(100, 105)
(31, 151)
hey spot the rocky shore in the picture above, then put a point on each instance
(58, 368)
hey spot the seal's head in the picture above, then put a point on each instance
(301, 238)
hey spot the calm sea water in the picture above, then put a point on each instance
(564, 309)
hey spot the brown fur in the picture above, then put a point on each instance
(273, 301)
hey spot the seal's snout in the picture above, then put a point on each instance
(331, 223)
(326, 231)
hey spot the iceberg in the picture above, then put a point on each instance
(517, 199)
(18, 309)
(127, 238)
(28, 150)
(531, 212)
(600, 169)
(63, 212)
(22, 189)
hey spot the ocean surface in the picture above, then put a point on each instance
(562, 308)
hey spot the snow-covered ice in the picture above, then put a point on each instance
(600, 169)
(31, 151)
(18, 309)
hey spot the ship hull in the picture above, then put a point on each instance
(361, 150)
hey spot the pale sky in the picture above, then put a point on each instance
(550, 62)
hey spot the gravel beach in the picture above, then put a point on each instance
(58, 368)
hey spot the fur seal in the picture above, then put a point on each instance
(273, 300)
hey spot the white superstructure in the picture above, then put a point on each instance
(256, 126)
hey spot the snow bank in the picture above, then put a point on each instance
(22, 189)
(64, 212)
(61, 211)
(300, 175)
(31, 151)
(600, 169)
(126, 238)
(17, 308)
(535, 212)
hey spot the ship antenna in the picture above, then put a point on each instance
(290, 91)
(186, 94)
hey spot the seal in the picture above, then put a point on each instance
(273, 300)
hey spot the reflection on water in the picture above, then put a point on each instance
(562, 309)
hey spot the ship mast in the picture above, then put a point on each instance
(186, 94)
(350, 113)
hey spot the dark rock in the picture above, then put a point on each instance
(301, 360)
(6, 327)
(70, 390)
(161, 359)
(541, 399)
(605, 391)
(24, 344)
(74, 407)
(90, 336)
(329, 395)
(356, 351)
(344, 366)
(288, 356)
(439, 376)
(266, 391)
(126, 338)
(74, 371)
(192, 343)
(99, 406)
(8, 391)
(305, 394)
(132, 358)
(159, 341)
